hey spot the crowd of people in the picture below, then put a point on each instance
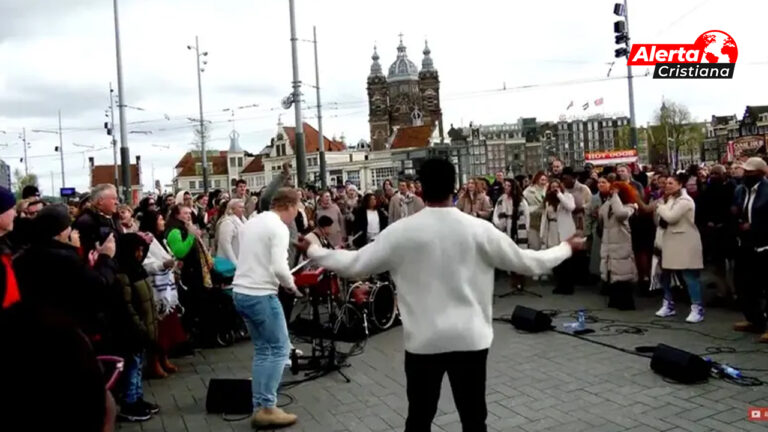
(132, 282)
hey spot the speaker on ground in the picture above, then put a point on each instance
(679, 365)
(229, 396)
(530, 320)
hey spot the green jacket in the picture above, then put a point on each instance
(141, 305)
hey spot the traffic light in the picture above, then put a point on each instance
(621, 35)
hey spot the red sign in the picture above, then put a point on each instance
(613, 154)
(611, 157)
(757, 414)
(748, 146)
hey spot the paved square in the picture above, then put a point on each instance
(536, 382)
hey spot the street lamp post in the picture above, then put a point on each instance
(59, 148)
(321, 140)
(301, 157)
(204, 157)
(621, 29)
(125, 155)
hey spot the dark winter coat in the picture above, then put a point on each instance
(140, 302)
(52, 275)
(95, 227)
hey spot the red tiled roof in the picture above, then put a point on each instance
(310, 140)
(412, 136)
(188, 161)
(255, 166)
(101, 174)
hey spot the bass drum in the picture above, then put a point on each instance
(382, 306)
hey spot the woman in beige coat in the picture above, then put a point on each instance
(617, 260)
(475, 202)
(681, 251)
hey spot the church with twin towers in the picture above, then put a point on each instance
(404, 97)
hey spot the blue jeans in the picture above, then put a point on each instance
(689, 277)
(133, 390)
(271, 347)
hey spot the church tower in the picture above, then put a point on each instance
(406, 97)
(378, 105)
(429, 87)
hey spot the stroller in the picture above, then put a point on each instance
(218, 323)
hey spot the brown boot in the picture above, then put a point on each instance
(272, 417)
(748, 327)
(154, 370)
(167, 365)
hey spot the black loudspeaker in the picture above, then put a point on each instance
(679, 365)
(530, 320)
(229, 396)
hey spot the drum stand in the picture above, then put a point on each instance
(321, 362)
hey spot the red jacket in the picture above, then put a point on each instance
(8, 286)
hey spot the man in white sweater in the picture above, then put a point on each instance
(442, 262)
(261, 269)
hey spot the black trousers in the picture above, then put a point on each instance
(466, 373)
(751, 285)
(565, 276)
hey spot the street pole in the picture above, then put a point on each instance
(632, 124)
(202, 125)
(24, 141)
(53, 193)
(61, 152)
(301, 157)
(320, 139)
(125, 156)
(112, 134)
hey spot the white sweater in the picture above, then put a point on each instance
(227, 238)
(263, 260)
(442, 262)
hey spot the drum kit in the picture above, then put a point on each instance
(340, 311)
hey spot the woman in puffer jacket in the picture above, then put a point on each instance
(617, 260)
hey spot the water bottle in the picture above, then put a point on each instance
(731, 372)
(582, 320)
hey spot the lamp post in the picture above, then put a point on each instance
(125, 155)
(301, 157)
(200, 70)
(621, 30)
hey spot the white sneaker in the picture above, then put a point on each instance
(667, 309)
(696, 315)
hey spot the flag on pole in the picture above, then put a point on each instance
(598, 102)
(585, 106)
(570, 105)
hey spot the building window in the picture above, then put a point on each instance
(259, 181)
(192, 185)
(200, 184)
(233, 161)
(354, 177)
(217, 183)
(312, 161)
(378, 175)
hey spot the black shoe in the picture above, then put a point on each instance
(149, 406)
(134, 412)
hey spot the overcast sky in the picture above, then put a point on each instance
(61, 55)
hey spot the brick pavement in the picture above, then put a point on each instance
(539, 382)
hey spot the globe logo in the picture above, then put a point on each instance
(717, 46)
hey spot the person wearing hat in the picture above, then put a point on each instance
(30, 191)
(9, 290)
(52, 275)
(751, 210)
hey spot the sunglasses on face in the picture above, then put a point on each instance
(112, 367)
